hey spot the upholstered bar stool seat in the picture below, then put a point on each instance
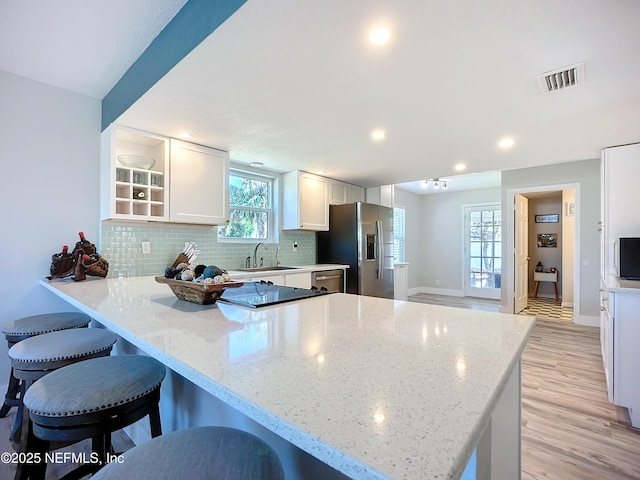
(211, 453)
(17, 330)
(37, 356)
(91, 399)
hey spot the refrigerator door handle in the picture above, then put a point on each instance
(380, 249)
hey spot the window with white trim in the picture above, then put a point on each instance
(398, 234)
(251, 214)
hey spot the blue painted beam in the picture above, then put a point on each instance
(191, 25)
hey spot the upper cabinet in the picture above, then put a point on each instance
(620, 169)
(199, 179)
(341, 192)
(134, 175)
(150, 177)
(305, 201)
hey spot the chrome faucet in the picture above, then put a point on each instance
(255, 253)
(277, 261)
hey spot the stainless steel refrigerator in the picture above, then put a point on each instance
(360, 235)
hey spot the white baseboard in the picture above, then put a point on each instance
(437, 291)
(587, 321)
(567, 304)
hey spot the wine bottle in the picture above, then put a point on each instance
(62, 263)
(80, 272)
(84, 245)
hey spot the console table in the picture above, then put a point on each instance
(545, 277)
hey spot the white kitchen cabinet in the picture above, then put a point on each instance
(355, 193)
(128, 193)
(305, 201)
(619, 173)
(619, 332)
(199, 182)
(382, 195)
(606, 338)
(277, 279)
(337, 192)
(298, 280)
(401, 281)
(188, 183)
(342, 192)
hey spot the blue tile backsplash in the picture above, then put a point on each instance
(121, 244)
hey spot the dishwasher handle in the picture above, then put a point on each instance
(327, 277)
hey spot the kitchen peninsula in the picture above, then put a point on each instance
(374, 388)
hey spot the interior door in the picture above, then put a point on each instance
(521, 253)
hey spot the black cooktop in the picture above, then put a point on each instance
(262, 294)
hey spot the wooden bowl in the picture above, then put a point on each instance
(201, 293)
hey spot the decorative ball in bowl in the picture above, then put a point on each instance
(136, 161)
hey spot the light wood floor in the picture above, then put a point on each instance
(569, 429)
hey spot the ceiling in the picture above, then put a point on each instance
(297, 85)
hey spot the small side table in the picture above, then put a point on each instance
(545, 277)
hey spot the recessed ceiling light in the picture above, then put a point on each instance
(257, 164)
(185, 135)
(379, 36)
(506, 143)
(378, 135)
(460, 167)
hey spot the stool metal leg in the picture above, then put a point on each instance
(154, 422)
(11, 397)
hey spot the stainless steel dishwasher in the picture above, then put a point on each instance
(332, 280)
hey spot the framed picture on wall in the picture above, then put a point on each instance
(548, 240)
(548, 218)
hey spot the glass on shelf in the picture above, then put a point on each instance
(156, 180)
(140, 178)
(122, 175)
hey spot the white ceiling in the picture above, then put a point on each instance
(79, 45)
(295, 84)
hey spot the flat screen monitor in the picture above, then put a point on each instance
(630, 258)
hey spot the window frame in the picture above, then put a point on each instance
(271, 212)
(400, 246)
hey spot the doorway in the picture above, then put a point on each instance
(483, 250)
(567, 230)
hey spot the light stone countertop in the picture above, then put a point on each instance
(376, 388)
(617, 284)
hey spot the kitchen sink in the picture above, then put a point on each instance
(265, 269)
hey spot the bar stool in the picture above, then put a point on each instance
(91, 399)
(17, 330)
(200, 453)
(35, 357)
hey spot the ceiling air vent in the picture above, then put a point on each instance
(561, 78)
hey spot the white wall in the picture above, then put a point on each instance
(442, 237)
(49, 152)
(586, 174)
